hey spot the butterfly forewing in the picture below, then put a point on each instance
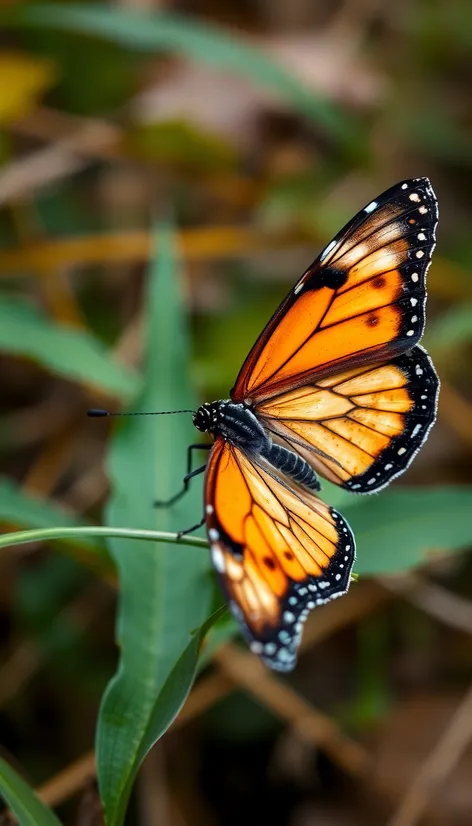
(278, 550)
(361, 302)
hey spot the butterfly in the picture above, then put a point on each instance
(335, 386)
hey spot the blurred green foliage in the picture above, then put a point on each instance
(319, 158)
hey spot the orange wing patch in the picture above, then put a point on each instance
(363, 428)
(363, 333)
(278, 550)
(361, 302)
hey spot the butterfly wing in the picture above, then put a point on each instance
(361, 302)
(278, 550)
(362, 428)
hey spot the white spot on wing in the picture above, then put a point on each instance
(209, 509)
(213, 534)
(218, 559)
(327, 250)
(370, 207)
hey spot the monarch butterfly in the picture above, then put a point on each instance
(335, 385)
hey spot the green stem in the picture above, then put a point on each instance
(44, 534)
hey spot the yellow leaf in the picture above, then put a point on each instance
(23, 78)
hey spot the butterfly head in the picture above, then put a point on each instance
(207, 417)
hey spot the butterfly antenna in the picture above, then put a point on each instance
(98, 413)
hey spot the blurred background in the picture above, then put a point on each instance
(258, 158)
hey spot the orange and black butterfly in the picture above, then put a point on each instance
(337, 386)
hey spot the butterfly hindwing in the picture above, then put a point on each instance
(278, 551)
(362, 428)
(361, 302)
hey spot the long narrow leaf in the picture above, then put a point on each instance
(189, 37)
(74, 354)
(23, 802)
(165, 594)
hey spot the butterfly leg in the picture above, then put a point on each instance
(165, 503)
(159, 503)
(180, 534)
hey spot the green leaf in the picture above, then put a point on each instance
(20, 508)
(165, 595)
(74, 354)
(22, 801)
(398, 529)
(168, 32)
(177, 686)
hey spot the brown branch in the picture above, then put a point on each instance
(71, 779)
(50, 163)
(203, 243)
(361, 600)
(436, 601)
(68, 781)
(309, 723)
(434, 771)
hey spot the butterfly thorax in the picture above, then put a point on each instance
(236, 423)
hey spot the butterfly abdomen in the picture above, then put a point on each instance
(292, 465)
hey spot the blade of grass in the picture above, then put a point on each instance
(164, 595)
(22, 801)
(168, 32)
(82, 533)
(74, 354)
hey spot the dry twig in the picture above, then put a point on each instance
(436, 601)
(440, 763)
(309, 723)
